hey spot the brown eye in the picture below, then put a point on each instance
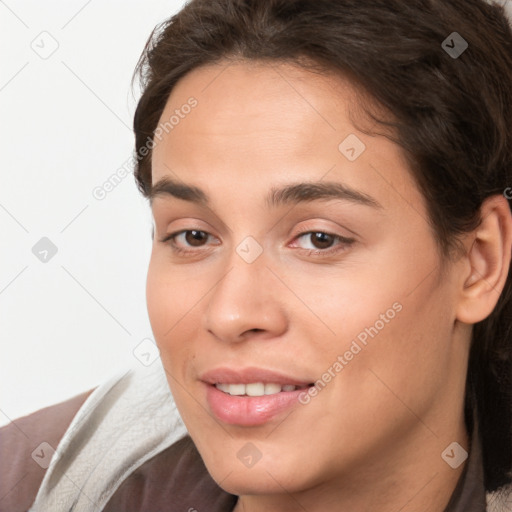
(321, 240)
(186, 242)
(320, 243)
(195, 238)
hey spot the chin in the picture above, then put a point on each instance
(264, 477)
(252, 481)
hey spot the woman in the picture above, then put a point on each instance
(329, 286)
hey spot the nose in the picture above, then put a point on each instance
(244, 302)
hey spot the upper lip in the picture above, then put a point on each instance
(249, 375)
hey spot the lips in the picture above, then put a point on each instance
(249, 376)
(251, 396)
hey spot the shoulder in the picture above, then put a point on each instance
(26, 448)
(130, 423)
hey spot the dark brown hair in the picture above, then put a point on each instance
(452, 115)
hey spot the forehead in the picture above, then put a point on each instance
(261, 102)
(259, 123)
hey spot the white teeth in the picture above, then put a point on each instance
(236, 389)
(223, 387)
(272, 389)
(254, 388)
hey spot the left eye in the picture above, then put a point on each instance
(319, 241)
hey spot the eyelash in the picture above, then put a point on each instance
(343, 243)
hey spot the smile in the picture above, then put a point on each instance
(256, 388)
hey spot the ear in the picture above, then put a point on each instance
(488, 261)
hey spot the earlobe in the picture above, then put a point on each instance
(489, 260)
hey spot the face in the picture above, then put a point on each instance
(257, 279)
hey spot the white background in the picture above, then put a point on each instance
(70, 323)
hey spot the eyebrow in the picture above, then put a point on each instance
(293, 193)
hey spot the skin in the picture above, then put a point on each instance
(372, 438)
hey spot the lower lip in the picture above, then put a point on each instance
(249, 411)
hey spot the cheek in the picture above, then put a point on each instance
(170, 307)
(394, 320)
(407, 361)
(161, 304)
(171, 293)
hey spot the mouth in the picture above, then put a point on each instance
(252, 396)
(257, 388)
